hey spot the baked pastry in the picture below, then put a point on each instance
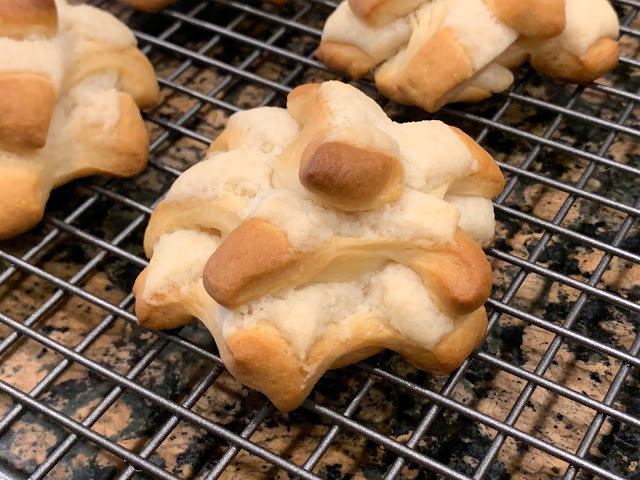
(313, 237)
(71, 83)
(433, 52)
(153, 6)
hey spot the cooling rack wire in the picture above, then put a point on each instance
(553, 392)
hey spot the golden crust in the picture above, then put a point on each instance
(251, 257)
(27, 101)
(351, 178)
(345, 58)
(22, 199)
(555, 62)
(532, 18)
(600, 58)
(438, 66)
(300, 97)
(458, 274)
(487, 181)
(22, 18)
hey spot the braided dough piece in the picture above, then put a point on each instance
(71, 82)
(153, 6)
(239, 245)
(443, 51)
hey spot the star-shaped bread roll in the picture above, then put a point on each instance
(71, 84)
(432, 52)
(154, 6)
(314, 237)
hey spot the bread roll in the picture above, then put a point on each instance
(313, 237)
(72, 82)
(432, 52)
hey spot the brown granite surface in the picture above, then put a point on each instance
(453, 439)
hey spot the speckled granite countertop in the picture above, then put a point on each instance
(453, 439)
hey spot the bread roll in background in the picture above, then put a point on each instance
(430, 53)
(72, 82)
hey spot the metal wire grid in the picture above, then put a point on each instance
(284, 25)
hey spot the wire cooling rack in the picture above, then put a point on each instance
(553, 392)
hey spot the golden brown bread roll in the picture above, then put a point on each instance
(20, 19)
(72, 82)
(294, 275)
(433, 52)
